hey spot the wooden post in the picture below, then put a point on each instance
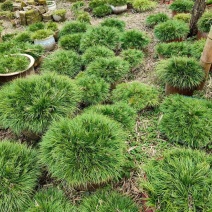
(206, 58)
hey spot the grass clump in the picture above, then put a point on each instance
(120, 112)
(13, 63)
(110, 69)
(51, 26)
(102, 201)
(83, 17)
(70, 42)
(95, 52)
(134, 39)
(42, 34)
(136, 94)
(183, 17)
(188, 49)
(143, 5)
(91, 142)
(186, 121)
(36, 26)
(63, 62)
(155, 19)
(171, 30)
(96, 3)
(180, 181)
(182, 6)
(114, 22)
(19, 172)
(116, 3)
(133, 56)
(94, 89)
(205, 22)
(31, 104)
(50, 199)
(102, 11)
(23, 37)
(72, 28)
(100, 36)
(180, 72)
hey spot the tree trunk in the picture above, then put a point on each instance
(198, 10)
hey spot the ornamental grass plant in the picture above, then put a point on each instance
(134, 39)
(95, 52)
(120, 112)
(205, 22)
(62, 62)
(50, 199)
(187, 121)
(13, 63)
(171, 30)
(175, 49)
(102, 201)
(94, 89)
(182, 6)
(143, 5)
(180, 72)
(85, 151)
(73, 27)
(114, 22)
(19, 172)
(100, 36)
(138, 95)
(102, 11)
(31, 104)
(111, 69)
(71, 42)
(155, 19)
(180, 181)
(133, 56)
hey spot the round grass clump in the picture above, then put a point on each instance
(182, 6)
(102, 11)
(94, 89)
(110, 69)
(114, 22)
(19, 172)
(188, 49)
(186, 17)
(63, 62)
(100, 36)
(180, 72)
(143, 5)
(83, 17)
(52, 26)
(42, 34)
(7, 6)
(205, 22)
(72, 28)
(120, 112)
(133, 56)
(23, 37)
(180, 181)
(96, 3)
(51, 200)
(155, 19)
(136, 94)
(13, 63)
(171, 30)
(31, 104)
(70, 42)
(103, 201)
(86, 150)
(134, 39)
(96, 52)
(36, 26)
(187, 121)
